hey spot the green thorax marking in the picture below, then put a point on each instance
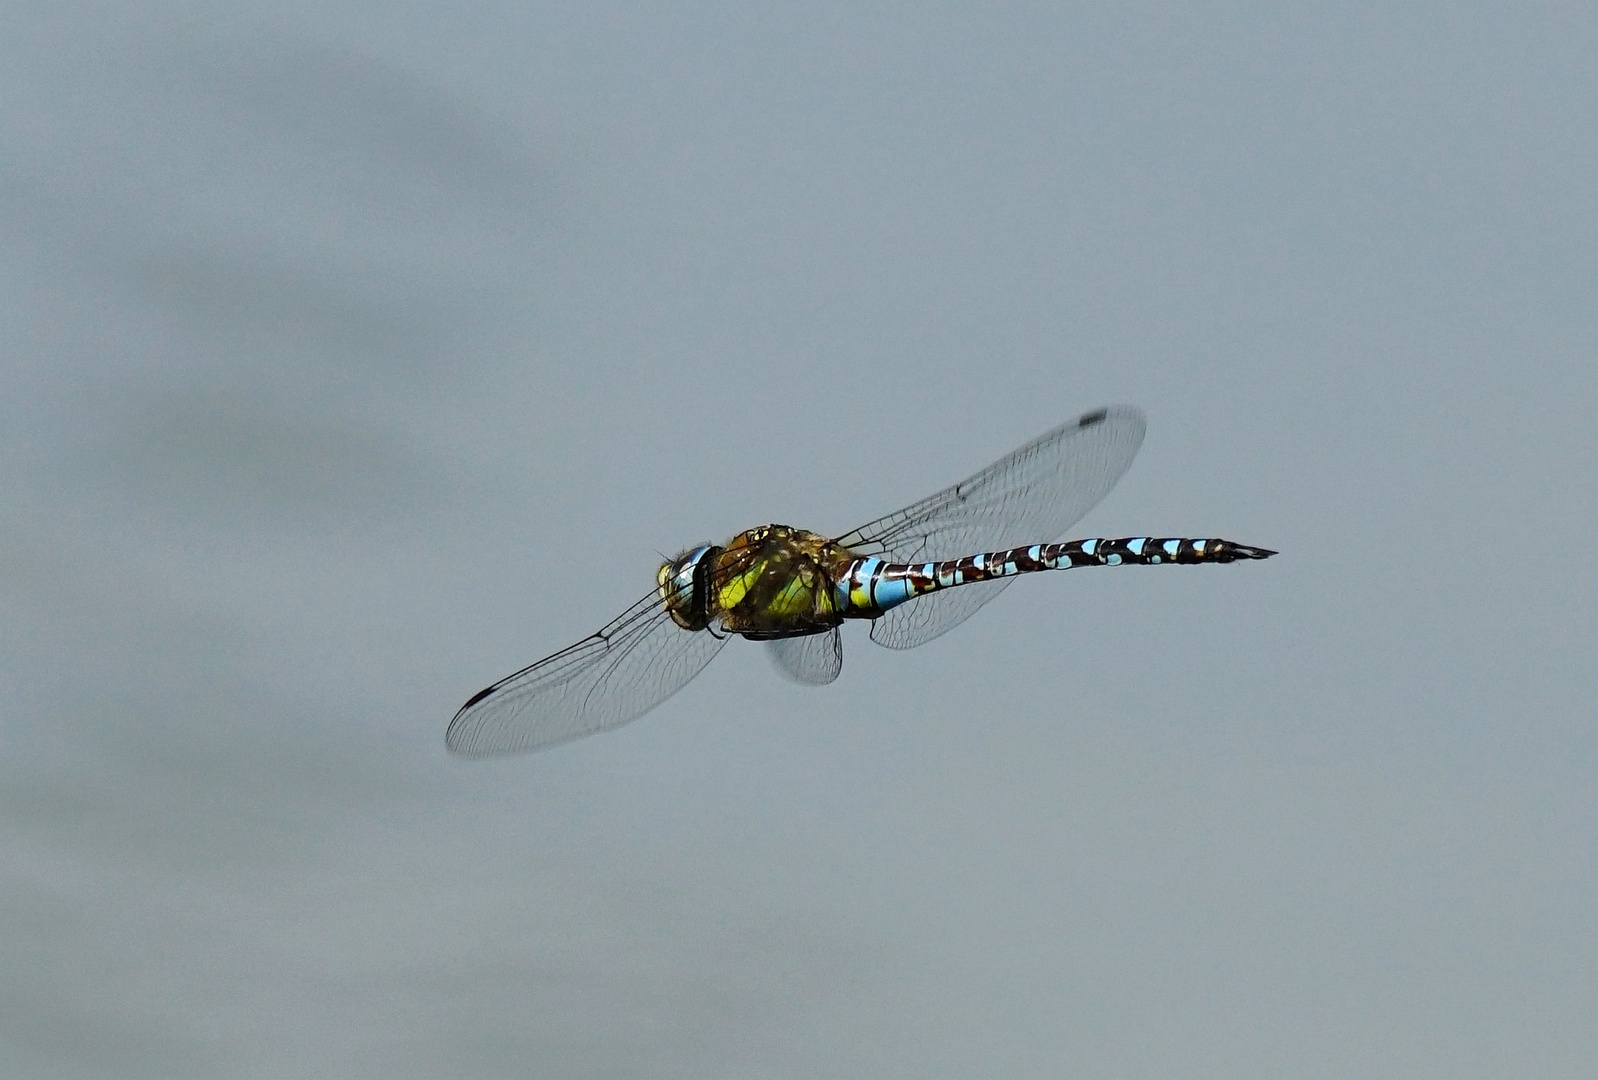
(777, 581)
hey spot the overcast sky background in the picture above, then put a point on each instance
(356, 355)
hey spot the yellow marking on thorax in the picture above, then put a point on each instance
(736, 588)
(798, 596)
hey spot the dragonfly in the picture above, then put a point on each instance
(913, 574)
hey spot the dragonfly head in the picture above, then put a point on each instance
(685, 586)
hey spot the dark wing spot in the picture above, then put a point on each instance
(479, 696)
(1095, 417)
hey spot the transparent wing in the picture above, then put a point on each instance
(602, 682)
(814, 659)
(1030, 496)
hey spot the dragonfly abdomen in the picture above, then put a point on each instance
(872, 586)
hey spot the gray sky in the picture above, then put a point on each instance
(359, 354)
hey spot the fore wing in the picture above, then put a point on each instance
(602, 682)
(1030, 496)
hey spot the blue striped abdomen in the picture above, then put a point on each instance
(872, 586)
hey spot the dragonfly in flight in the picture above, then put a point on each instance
(913, 574)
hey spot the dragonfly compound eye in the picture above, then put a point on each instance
(685, 586)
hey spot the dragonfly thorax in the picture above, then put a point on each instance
(777, 581)
(771, 582)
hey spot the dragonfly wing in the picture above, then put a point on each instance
(814, 659)
(602, 682)
(1030, 496)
